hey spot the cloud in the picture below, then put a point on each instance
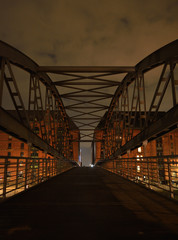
(89, 32)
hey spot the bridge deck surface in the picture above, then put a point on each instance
(88, 203)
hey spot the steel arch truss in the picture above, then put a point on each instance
(89, 89)
(40, 118)
(132, 118)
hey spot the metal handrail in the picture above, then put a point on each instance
(20, 173)
(159, 173)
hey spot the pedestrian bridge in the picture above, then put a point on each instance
(129, 117)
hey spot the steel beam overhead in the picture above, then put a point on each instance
(72, 108)
(86, 141)
(88, 119)
(10, 125)
(165, 124)
(87, 96)
(58, 83)
(86, 69)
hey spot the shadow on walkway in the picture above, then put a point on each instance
(88, 203)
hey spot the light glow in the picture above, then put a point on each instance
(139, 149)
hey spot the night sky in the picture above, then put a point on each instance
(88, 32)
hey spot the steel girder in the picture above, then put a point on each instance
(166, 54)
(157, 129)
(129, 113)
(86, 69)
(48, 115)
(17, 129)
(87, 87)
(19, 59)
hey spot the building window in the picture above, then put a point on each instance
(159, 143)
(21, 163)
(9, 145)
(159, 153)
(171, 137)
(9, 154)
(10, 137)
(20, 175)
(22, 154)
(171, 145)
(139, 149)
(22, 145)
(174, 174)
(138, 168)
(36, 130)
(34, 154)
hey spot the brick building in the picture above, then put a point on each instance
(11, 146)
(163, 146)
(52, 132)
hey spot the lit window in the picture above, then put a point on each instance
(138, 168)
(138, 158)
(21, 163)
(139, 149)
(174, 174)
(10, 137)
(20, 175)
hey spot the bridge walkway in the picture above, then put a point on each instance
(88, 203)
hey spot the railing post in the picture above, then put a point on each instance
(52, 166)
(49, 167)
(5, 177)
(131, 169)
(135, 169)
(170, 179)
(38, 170)
(148, 172)
(46, 168)
(26, 172)
(32, 172)
(157, 171)
(17, 172)
(128, 168)
(42, 168)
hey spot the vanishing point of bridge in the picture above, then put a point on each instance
(128, 115)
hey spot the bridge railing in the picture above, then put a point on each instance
(157, 173)
(20, 173)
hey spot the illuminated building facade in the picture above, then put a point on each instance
(167, 145)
